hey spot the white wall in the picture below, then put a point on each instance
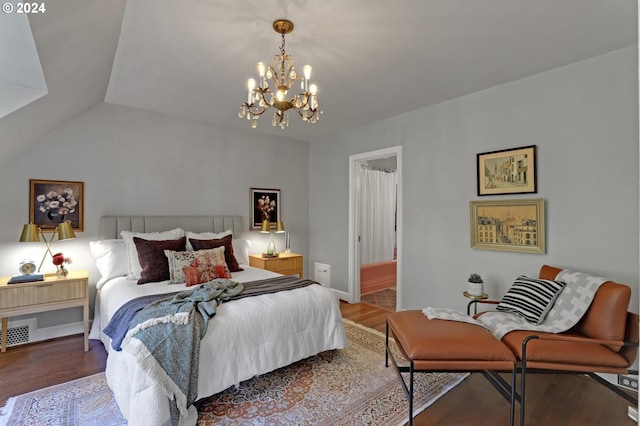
(139, 162)
(583, 119)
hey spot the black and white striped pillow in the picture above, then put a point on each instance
(531, 298)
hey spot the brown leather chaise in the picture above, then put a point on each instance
(605, 340)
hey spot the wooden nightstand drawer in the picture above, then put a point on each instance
(285, 264)
(45, 292)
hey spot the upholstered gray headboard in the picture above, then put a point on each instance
(110, 226)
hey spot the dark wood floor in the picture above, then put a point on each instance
(551, 400)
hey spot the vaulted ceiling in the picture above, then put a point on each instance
(371, 59)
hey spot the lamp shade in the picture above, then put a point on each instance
(280, 227)
(65, 231)
(29, 233)
(266, 226)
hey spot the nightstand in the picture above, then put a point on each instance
(285, 263)
(40, 296)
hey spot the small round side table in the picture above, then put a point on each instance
(473, 297)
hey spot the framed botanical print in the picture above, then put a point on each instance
(509, 171)
(52, 202)
(265, 204)
(508, 225)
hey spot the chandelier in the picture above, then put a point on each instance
(274, 82)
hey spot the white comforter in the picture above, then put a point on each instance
(247, 337)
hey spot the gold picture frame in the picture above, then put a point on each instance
(52, 202)
(508, 225)
(508, 171)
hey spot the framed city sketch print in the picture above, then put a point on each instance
(508, 225)
(509, 171)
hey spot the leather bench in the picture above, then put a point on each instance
(447, 346)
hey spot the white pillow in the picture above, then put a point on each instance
(134, 270)
(111, 257)
(241, 250)
(205, 236)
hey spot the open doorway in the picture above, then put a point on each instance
(375, 227)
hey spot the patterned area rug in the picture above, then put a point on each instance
(341, 387)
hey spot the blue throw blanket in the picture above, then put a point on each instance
(119, 324)
(164, 338)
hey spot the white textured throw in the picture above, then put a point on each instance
(448, 315)
(570, 306)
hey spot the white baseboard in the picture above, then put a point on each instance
(62, 330)
(342, 295)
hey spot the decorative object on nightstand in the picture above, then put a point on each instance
(59, 260)
(475, 285)
(285, 263)
(27, 268)
(266, 228)
(31, 233)
(287, 242)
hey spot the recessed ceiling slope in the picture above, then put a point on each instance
(76, 41)
(371, 60)
(21, 77)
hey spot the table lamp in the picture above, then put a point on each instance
(31, 233)
(266, 228)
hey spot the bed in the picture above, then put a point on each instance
(246, 337)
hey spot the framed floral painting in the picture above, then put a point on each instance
(265, 204)
(52, 202)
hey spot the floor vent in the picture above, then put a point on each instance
(18, 333)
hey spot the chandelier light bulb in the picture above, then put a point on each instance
(307, 71)
(251, 84)
(280, 95)
(313, 89)
(261, 68)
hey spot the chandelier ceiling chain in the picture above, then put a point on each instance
(274, 82)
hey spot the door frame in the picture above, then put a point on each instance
(354, 219)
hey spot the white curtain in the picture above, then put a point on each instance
(377, 218)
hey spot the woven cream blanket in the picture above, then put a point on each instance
(570, 306)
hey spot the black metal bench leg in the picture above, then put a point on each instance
(386, 346)
(523, 373)
(512, 411)
(411, 393)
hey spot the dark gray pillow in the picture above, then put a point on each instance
(155, 266)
